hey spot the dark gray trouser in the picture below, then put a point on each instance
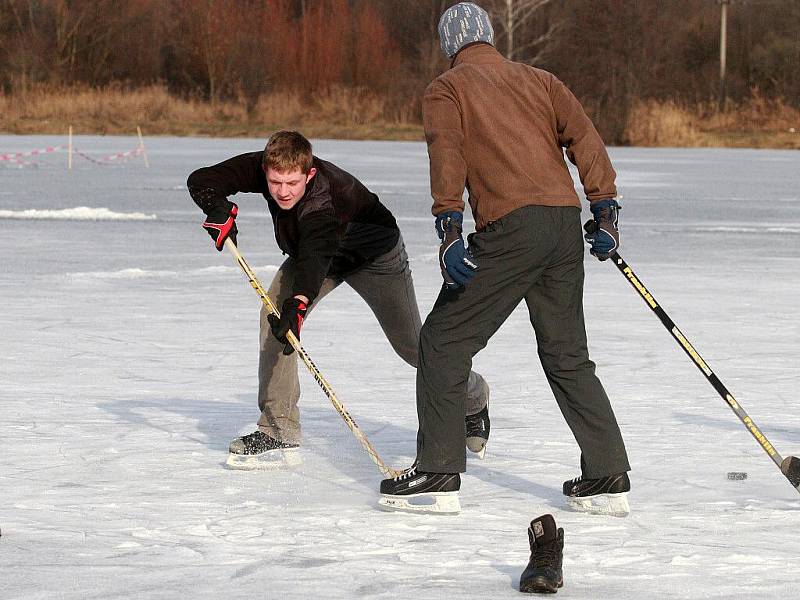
(534, 254)
(388, 289)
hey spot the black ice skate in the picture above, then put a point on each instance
(477, 427)
(260, 451)
(416, 491)
(543, 573)
(606, 495)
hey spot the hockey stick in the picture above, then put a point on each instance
(789, 466)
(311, 366)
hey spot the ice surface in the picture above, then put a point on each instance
(128, 363)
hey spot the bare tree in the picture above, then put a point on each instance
(510, 17)
(17, 52)
(210, 37)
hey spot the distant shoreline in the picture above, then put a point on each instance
(354, 114)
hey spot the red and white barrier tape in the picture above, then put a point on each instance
(14, 156)
(20, 163)
(111, 158)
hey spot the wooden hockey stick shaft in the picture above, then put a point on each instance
(321, 381)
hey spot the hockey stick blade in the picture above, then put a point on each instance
(791, 468)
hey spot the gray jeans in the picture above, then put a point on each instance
(386, 286)
(534, 254)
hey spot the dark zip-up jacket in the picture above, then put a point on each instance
(336, 228)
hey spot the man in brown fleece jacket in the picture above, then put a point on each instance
(499, 128)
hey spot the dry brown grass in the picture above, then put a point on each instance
(757, 122)
(339, 112)
(653, 123)
(353, 113)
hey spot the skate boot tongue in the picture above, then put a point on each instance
(543, 530)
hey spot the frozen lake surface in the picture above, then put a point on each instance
(129, 356)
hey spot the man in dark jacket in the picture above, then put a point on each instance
(333, 230)
(499, 128)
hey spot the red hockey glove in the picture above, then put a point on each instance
(293, 312)
(221, 224)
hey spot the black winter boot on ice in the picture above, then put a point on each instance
(543, 573)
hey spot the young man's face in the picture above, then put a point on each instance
(287, 187)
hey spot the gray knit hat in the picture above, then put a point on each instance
(461, 24)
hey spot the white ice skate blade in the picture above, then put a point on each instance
(615, 505)
(445, 503)
(268, 461)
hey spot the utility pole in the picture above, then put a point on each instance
(723, 43)
(510, 26)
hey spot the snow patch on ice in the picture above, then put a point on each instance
(169, 188)
(621, 561)
(744, 559)
(600, 529)
(79, 213)
(137, 273)
(763, 229)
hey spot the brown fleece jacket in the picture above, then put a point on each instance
(498, 127)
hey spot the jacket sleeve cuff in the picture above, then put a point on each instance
(307, 293)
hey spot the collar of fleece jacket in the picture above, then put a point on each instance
(477, 53)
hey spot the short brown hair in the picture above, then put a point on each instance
(287, 150)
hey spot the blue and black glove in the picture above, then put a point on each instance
(220, 224)
(603, 232)
(457, 264)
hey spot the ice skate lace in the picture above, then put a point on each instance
(407, 474)
(256, 435)
(475, 425)
(255, 438)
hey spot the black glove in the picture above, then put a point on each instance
(603, 232)
(457, 264)
(221, 224)
(293, 312)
